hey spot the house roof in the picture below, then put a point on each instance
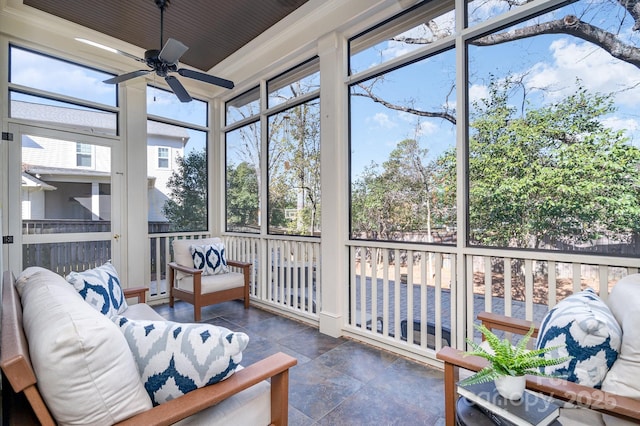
(96, 121)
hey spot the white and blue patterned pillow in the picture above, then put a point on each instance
(210, 258)
(590, 334)
(175, 358)
(100, 287)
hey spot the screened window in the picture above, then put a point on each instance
(294, 151)
(83, 155)
(419, 26)
(243, 106)
(403, 153)
(300, 81)
(59, 77)
(92, 105)
(243, 179)
(294, 170)
(553, 135)
(177, 159)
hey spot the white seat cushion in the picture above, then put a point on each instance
(212, 283)
(142, 311)
(247, 408)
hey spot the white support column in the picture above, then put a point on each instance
(335, 182)
(95, 201)
(134, 238)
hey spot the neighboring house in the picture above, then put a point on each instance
(72, 180)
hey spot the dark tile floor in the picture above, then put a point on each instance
(336, 381)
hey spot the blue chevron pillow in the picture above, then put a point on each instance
(175, 358)
(590, 334)
(100, 287)
(210, 258)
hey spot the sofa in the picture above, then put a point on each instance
(68, 363)
(600, 384)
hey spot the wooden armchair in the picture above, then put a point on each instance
(594, 399)
(187, 283)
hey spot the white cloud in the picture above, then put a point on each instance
(427, 128)
(598, 71)
(382, 120)
(618, 123)
(477, 92)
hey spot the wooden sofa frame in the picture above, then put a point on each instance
(18, 372)
(595, 399)
(197, 298)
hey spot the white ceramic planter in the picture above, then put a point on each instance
(511, 387)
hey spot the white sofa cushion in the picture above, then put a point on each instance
(86, 372)
(174, 358)
(100, 287)
(590, 334)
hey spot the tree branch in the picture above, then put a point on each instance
(571, 25)
(368, 93)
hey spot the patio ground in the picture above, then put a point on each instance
(337, 381)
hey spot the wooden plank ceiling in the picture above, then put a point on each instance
(212, 30)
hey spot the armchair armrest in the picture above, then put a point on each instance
(186, 269)
(138, 292)
(275, 367)
(238, 263)
(513, 325)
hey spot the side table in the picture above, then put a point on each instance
(468, 414)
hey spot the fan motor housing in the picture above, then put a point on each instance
(152, 58)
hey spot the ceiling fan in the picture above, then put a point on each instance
(165, 61)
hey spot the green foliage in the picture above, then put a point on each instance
(507, 360)
(555, 175)
(402, 195)
(186, 208)
(242, 196)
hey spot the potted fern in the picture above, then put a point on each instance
(508, 364)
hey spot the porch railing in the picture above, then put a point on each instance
(283, 277)
(405, 297)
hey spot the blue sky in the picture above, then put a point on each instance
(57, 76)
(548, 66)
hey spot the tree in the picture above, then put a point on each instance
(402, 196)
(242, 197)
(616, 41)
(186, 208)
(294, 175)
(555, 175)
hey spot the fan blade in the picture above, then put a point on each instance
(207, 78)
(172, 51)
(178, 89)
(110, 49)
(127, 76)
